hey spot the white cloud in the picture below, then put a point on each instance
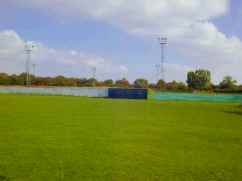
(169, 17)
(206, 47)
(123, 68)
(187, 23)
(51, 61)
(177, 72)
(11, 46)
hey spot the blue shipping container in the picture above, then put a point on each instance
(122, 93)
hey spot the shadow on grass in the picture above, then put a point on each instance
(234, 112)
(4, 178)
(237, 111)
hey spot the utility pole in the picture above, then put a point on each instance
(28, 51)
(163, 42)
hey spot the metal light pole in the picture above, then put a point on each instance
(94, 71)
(158, 72)
(163, 42)
(28, 51)
(34, 66)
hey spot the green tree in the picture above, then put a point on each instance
(228, 83)
(141, 83)
(161, 85)
(108, 83)
(172, 85)
(4, 79)
(13, 79)
(92, 82)
(191, 79)
(122, 83)
(59, 81)
(200, 79)
(182, 86)
(176, 86)
(21, 79)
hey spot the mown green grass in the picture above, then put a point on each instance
(48, 138)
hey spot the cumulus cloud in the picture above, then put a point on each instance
(170, 17)
(205, 46)
(187, 24)
(11, 46)
(50, 61)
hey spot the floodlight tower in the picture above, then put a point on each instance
(157, 71)
(163, 42)
(33, 71)
(34, 66)
(28, 51)
(125, 75)
(94, 71)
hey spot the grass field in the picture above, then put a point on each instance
(48, 138)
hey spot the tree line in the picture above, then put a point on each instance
(199, 80)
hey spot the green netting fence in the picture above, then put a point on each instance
(196, 97)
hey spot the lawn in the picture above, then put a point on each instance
(55, 138)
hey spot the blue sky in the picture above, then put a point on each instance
(230, 23)
(121, 40)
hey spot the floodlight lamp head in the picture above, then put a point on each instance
(29, 46)
(163, 40)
